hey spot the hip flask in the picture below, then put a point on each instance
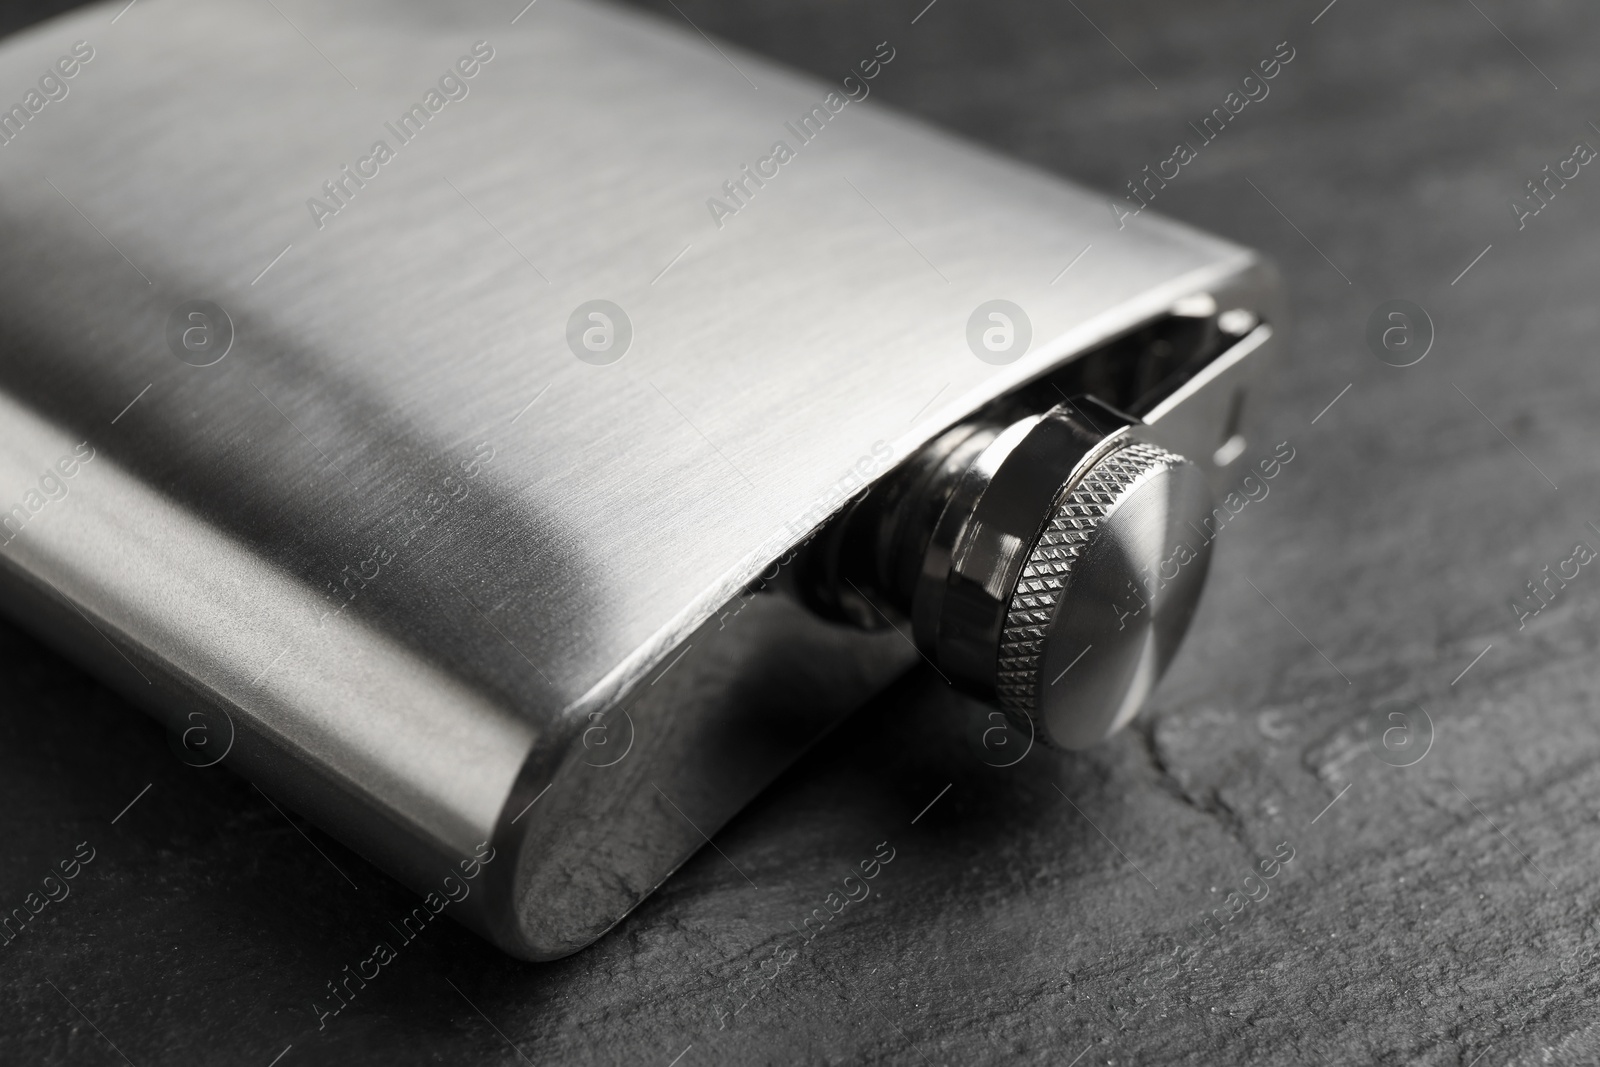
(511, 441)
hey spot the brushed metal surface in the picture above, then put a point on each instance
(412, 640)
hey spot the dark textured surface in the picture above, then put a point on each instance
(1442, 913)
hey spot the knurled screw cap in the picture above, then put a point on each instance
(1106, 595)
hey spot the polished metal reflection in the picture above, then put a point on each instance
(423, 556)
(1023, 552)
(1106, 595)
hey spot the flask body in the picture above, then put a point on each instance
(418, 543)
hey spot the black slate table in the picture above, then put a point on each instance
(1108, 907)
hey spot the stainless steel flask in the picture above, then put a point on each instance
(512, 438)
